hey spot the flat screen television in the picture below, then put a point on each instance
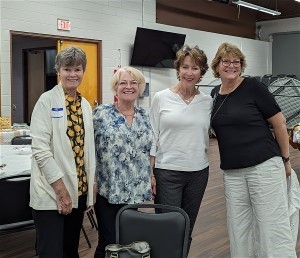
(154, 48)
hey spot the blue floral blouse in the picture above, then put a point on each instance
(122, 155)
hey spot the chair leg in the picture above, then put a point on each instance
(92, 219)
(86, 237)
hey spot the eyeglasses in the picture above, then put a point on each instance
(131, 83)
(227, 63)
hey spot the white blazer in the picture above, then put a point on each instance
(52, 153)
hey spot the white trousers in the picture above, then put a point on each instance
(257, 211)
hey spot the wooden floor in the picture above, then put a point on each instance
(210, 237)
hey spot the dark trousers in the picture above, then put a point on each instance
(58, 235)
(106, 217)
(181, 189)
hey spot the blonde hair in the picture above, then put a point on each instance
(135, 73)
(227, 49)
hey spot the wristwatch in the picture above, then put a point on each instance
(285, 160)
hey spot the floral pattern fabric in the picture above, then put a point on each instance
(122, 155)
(75, 131)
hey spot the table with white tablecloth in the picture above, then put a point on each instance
(7, 134)
(15, 160)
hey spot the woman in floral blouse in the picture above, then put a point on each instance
(123, 143)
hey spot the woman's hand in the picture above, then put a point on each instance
(153, 180)
(63, 198)
(95, 190)
(95, 193)
(279, 129)
(153, 186)
(288, 168)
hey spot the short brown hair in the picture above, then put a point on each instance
(195, 53)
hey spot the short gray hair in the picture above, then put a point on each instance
(70, 56)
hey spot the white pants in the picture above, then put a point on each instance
(257, 211)
(294, 204)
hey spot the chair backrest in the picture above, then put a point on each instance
(15, 214)
(166, 230)
(258, 78)
(21, 140)
(273, 79)
(265, 79)
(282, 75)
(291, 76)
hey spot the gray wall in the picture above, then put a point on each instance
(286, 54)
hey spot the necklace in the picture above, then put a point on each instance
(189, 99)
(211, 131)
(216, 96)
(218, 106)
(236, 84)
(126, 115)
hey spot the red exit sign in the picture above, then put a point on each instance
(63, 24)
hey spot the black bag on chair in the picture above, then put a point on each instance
(137, 249)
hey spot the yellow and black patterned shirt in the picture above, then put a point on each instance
(75, 131)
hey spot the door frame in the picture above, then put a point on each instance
(57, 37)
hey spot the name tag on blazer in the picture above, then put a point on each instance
(57, 112)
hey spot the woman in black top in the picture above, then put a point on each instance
(255, 163)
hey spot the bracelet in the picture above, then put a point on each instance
(285, 160)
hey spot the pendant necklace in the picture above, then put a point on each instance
(211, 130)
(189, 99)
(219, 106)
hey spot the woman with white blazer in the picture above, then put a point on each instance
(63, 164)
